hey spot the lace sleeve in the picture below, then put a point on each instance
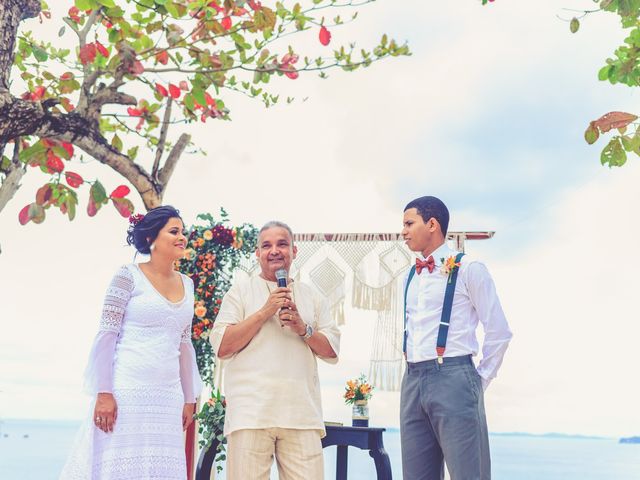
(98, 376)
(115, 300)
(189, 375)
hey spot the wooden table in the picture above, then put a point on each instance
(365, 438)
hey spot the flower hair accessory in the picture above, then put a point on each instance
(135, 219)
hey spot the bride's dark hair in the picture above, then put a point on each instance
(143, 231)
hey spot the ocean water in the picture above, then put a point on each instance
(36, 450)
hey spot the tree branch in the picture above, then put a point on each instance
(74, 128)
(90, 78)
(19, 117)
(163, 138)
(165, 172)
(11, 183)
(107, 96)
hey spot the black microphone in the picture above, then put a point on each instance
(281, 277)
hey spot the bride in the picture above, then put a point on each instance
(142, 368)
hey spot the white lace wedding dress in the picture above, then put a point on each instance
(144, 356)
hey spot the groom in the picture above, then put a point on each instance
(446, 295)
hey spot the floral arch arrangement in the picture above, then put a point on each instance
(214, 251)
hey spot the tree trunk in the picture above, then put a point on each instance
(12, 12)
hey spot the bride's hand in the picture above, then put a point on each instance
(187, 414)
(105, 412)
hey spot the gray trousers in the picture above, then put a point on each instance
(442, 420)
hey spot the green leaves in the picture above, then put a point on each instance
(613, 154)
(574, 25)
(98, 193)
(86, 4)
(591, 134)
(40, 54)
(205, 49)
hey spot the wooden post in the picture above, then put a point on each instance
(190, 448)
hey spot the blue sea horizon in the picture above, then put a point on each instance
(37, 449)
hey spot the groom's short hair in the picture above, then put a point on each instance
(431, 207)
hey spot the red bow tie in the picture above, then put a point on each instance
(429, 264)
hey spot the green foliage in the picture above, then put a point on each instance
(211, 426)
(214, 251)
(623, 67)
(196, 54)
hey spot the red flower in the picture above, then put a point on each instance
(226, 23)
(161, 90)
(88, 53)
(254, 5)
(162, 57)
(217, 7)
(134, 112)
(292, 73)
(324, 36)
(92, 208)
(102, 49)
(54, 163)
(38, 92)
(73, 179)
(174, 91)
(120, 192)
(74, 14)
(69, 148)
(286, 66)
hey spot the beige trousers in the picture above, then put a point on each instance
(298, 454)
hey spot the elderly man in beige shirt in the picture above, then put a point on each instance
(269, 338)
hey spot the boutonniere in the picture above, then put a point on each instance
(449, 266)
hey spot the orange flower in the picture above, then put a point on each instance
(365, 388)
(449, 265)
(208, 234)
(200, 311)
(188, 253)
(352, 384)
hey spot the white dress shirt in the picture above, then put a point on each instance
(475, 300)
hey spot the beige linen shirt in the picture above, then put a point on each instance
(273, 380)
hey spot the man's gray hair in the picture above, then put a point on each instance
(276, 224)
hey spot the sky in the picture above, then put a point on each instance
(488, 114)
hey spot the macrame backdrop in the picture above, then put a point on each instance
(375, 265)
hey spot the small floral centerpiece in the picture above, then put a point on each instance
(357, 393)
